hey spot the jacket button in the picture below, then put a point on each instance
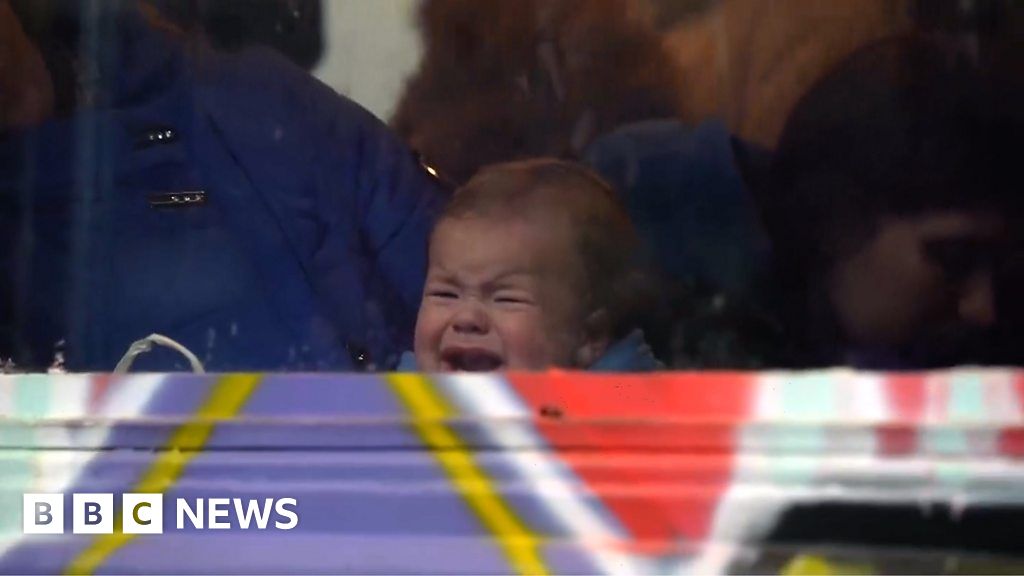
(156, 136)
(178, 199)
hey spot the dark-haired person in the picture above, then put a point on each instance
(875, 233)
(888, 203)
(230, 202)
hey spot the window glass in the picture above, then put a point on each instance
(441, 185)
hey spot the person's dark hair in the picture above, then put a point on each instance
(56, 29)
(905, 126)
(607, 244)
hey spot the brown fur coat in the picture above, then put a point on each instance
(749, 61)
(506, 80)
(502, 80)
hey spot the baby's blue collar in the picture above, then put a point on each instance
(631, 354)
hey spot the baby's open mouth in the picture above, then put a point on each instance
(470, 360)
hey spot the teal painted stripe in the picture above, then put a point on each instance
(31, 402)
(32, 396)
(966, 402)
(810, 396)
(32, 399)
(966, 397)
(15, 480)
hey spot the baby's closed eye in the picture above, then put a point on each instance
(514, 298)
(441, 293)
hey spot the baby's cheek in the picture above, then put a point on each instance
(526, 343)
(564, 337)
(428, 332)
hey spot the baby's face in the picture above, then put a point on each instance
(499, 295)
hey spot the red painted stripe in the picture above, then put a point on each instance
(1011, 440)
(1018, 391)
(99, 384)
(907, 398)
(690, 417)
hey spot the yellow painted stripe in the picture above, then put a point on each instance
(428, 408)
(228, 396)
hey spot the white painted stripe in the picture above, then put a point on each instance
(490, 396)
(69, 395)
(768, 399)
(1003, 405)
(862, 402)
(866, 392)
(52, 470)
(58, 471)
(740, 517)
(125, 398)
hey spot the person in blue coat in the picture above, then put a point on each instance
(697, 218)
(228, 201)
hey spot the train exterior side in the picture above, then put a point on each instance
(555, 473)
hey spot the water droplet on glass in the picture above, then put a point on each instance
(57, 367)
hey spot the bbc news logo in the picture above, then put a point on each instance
(144, 513)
